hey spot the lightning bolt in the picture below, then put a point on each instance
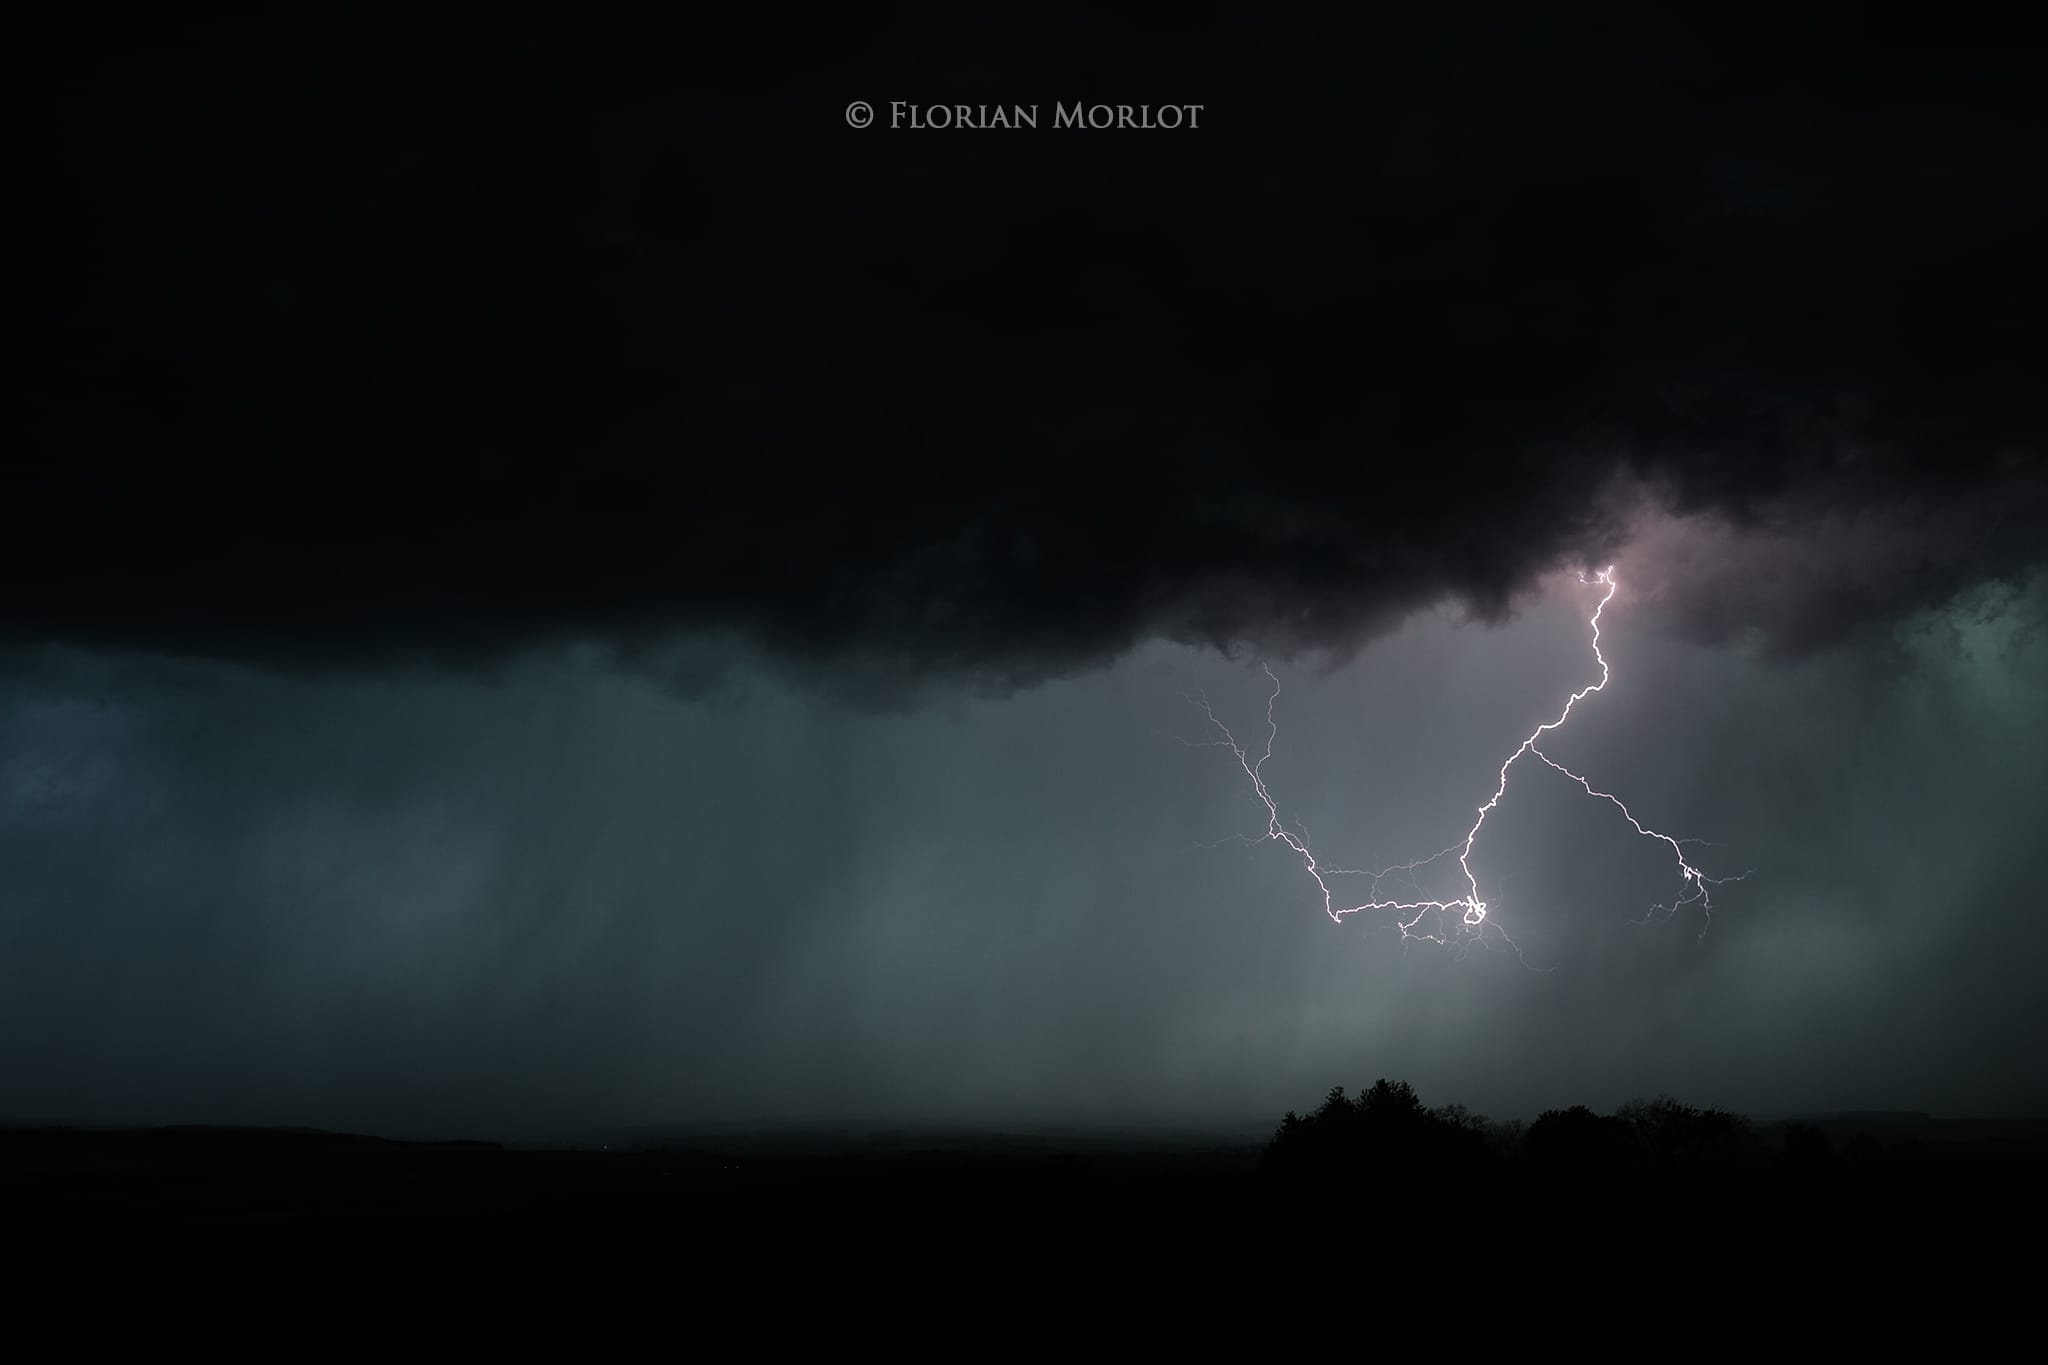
(1464, 919)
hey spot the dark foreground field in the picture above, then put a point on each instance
(1880, 1171)
(975, 1241)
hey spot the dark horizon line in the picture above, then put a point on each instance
(592, 1138)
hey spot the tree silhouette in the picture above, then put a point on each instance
(1386, 1130)
(1678, 1136)
(1579, 1142)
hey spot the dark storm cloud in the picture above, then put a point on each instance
(415, 905)
(364, 341)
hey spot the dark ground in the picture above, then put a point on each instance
(978, 1243)
(285, 1180)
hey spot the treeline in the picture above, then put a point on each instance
(1388, 1128)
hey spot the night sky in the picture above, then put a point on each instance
(552, 582)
